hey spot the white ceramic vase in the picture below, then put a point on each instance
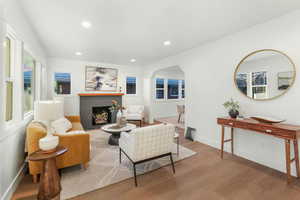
(48, 143)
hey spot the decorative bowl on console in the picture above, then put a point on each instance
(267, 120)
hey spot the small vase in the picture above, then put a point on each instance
(113, 117)
(233, 113)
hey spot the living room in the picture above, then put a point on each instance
(149, 99)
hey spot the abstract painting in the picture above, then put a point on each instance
(101, 79)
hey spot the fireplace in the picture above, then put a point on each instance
(94, 108)
(101, 115)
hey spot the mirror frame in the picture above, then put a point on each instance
(262, 50)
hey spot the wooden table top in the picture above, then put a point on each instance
(40, 155)
(290, 127)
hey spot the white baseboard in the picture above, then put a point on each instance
(14, 184)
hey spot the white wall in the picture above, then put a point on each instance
(209, 71)
(77, 70)
(166, 108)
(12, 137)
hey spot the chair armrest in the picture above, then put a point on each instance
(78, 149)
(126, 143)
(73, 118)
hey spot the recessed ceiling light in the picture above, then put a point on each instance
(133, 60)
(86, 24)
(78, 53)
(167, 43)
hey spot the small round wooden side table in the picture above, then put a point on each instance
(50, 186)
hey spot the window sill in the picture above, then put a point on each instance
(131, 95)
(63, 95)
(168, 100)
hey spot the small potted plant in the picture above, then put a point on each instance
(232, 107)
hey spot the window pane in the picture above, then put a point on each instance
(259, 78)
(160, 94)
(173, 89)
(241, 81)
(28, 68)
(131, 85)
(62, 83)
(160, 83)
(9, 101)
(259, 92)
(7, 57)
(182, 88)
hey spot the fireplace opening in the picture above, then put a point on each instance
(101, 115)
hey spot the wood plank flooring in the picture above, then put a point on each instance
(203, 176)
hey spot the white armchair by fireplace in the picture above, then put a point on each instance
(134, 113)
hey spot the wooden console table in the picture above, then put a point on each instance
(284, 131)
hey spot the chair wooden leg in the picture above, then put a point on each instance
(134, 172)
(35, 178)
(173, 167)
(179, 118)
(85, 165)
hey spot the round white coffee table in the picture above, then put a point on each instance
(116, 132)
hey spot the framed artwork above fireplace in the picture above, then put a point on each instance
(101, 79)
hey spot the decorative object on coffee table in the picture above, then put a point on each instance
(267, 120)
(46, 112)
(50, 186)
(115, 132)
(232, 107)
(116, 111)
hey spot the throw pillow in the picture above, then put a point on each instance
(61, 125)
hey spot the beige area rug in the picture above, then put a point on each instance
(172, 120)
(104, 168)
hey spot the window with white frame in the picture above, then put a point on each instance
(8, 48)
(160, 88)
(169, 89)
(259, 84)
(62, 83)
(182, 89)
(173, 89)
(131, 85)
(29, 80)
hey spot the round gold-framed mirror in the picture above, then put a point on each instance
(265, 74)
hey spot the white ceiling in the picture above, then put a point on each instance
(125, 29)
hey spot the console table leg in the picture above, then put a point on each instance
(296, 152)
(222, 141)
(232, 141)
(288, 159)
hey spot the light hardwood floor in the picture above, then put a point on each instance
(203, 176)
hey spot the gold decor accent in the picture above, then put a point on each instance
(265, 50)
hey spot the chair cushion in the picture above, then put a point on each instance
(132, 116)
(135, 109)
(76, 126)
(62, 125)
(72, 132)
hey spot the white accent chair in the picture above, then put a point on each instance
(147, 143)
(134, 113)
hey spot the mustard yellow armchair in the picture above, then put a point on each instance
(78, 146)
